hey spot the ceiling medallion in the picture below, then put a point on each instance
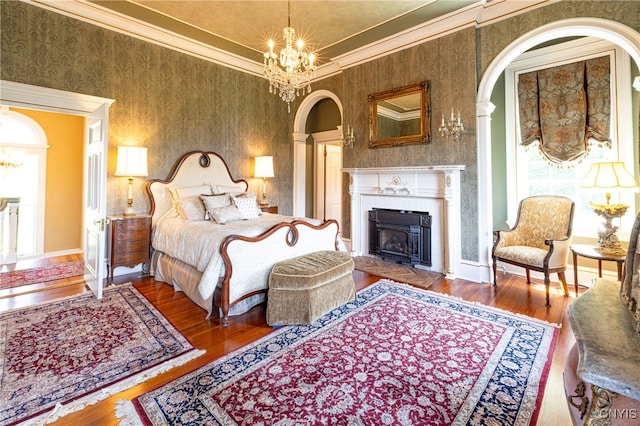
(294, 69)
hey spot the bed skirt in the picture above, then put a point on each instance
(186, 278)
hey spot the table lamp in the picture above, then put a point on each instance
(609, 176)
(263, 169)
(132, 162)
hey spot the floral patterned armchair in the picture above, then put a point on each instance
(540, 239)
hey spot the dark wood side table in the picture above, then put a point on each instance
(269, 209)
(590, 252)
(129, 240)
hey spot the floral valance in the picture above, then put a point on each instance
(563, 107)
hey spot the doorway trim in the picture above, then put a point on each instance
(612, 31)
(27, 96)
(299, 146)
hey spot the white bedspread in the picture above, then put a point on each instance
(197, 242)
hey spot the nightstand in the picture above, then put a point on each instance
(269, 209)
(129, 239)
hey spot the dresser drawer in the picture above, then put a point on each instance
(130, 258)
(135, 234)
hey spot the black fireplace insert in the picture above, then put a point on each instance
(400, 235)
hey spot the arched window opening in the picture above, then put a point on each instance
(23, 159)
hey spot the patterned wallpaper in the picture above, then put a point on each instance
(167, 101)
(173, 103)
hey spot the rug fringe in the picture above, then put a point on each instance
(126, 413)
(77, 405)
(461, 300)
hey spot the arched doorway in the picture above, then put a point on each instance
(299, 147)
(612, 31)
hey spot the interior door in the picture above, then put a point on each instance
(333, 183)
(95, 199)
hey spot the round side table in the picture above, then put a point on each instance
(590, 252)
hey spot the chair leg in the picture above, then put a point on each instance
(563, 281)
(547, 283)
(495, 275)
(528, 276)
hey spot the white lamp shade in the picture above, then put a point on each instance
(263, 167)
(609, 175)
(132, 161)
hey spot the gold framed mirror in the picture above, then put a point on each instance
(400, 116)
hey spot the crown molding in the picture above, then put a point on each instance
(482, 13)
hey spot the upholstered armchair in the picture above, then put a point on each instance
(540, 239)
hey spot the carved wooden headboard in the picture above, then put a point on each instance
(192, 169)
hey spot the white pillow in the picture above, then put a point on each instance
(213, 202)
(231, 189)
(247, 205)
(190, 191)
(225, 214)
(190, 208)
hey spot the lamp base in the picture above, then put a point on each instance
(608, 242)
(129, 210)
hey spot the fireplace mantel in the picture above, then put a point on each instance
(434, 189)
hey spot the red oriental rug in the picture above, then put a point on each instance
(60, 356)
(398, 355)
(18, 278)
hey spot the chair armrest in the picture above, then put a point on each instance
(559, 250)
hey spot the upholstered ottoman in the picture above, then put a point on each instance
(304, 288)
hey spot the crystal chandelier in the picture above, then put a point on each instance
(293, 71)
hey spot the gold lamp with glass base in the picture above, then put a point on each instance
(609, 176)
(131, 162)
(263, 169)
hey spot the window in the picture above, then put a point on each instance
(23, 147)
(529, 174)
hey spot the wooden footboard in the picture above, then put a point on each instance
(248, 260)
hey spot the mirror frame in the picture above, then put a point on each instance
(424, 137)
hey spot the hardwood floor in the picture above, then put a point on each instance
(512, 294)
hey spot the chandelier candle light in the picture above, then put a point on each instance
(263, 169)
(132, 162)
(452, 128)
(609, 176)
(293, 71)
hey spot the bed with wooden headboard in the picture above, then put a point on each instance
(219, 260)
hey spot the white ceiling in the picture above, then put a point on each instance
(235, 32)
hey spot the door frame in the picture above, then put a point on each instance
(27, 96)
(320, 140)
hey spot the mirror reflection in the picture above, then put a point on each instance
(400, 116)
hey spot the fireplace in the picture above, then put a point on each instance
(433, 189)
(400, 235)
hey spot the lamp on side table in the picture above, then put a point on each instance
(609, 176)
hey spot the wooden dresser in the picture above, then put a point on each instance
(128, 242)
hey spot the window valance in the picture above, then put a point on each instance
(562, 109)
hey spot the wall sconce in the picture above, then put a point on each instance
(263, 169)
(452, 128)
(347, 138)
(132, 162)
(609, 176)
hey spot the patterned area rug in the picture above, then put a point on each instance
(61, 356)
(37, 275)
(396, 272)
(396, 355)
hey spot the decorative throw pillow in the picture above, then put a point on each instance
(213, 202)
(247, 205)
(225, 214)
(190, 208)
